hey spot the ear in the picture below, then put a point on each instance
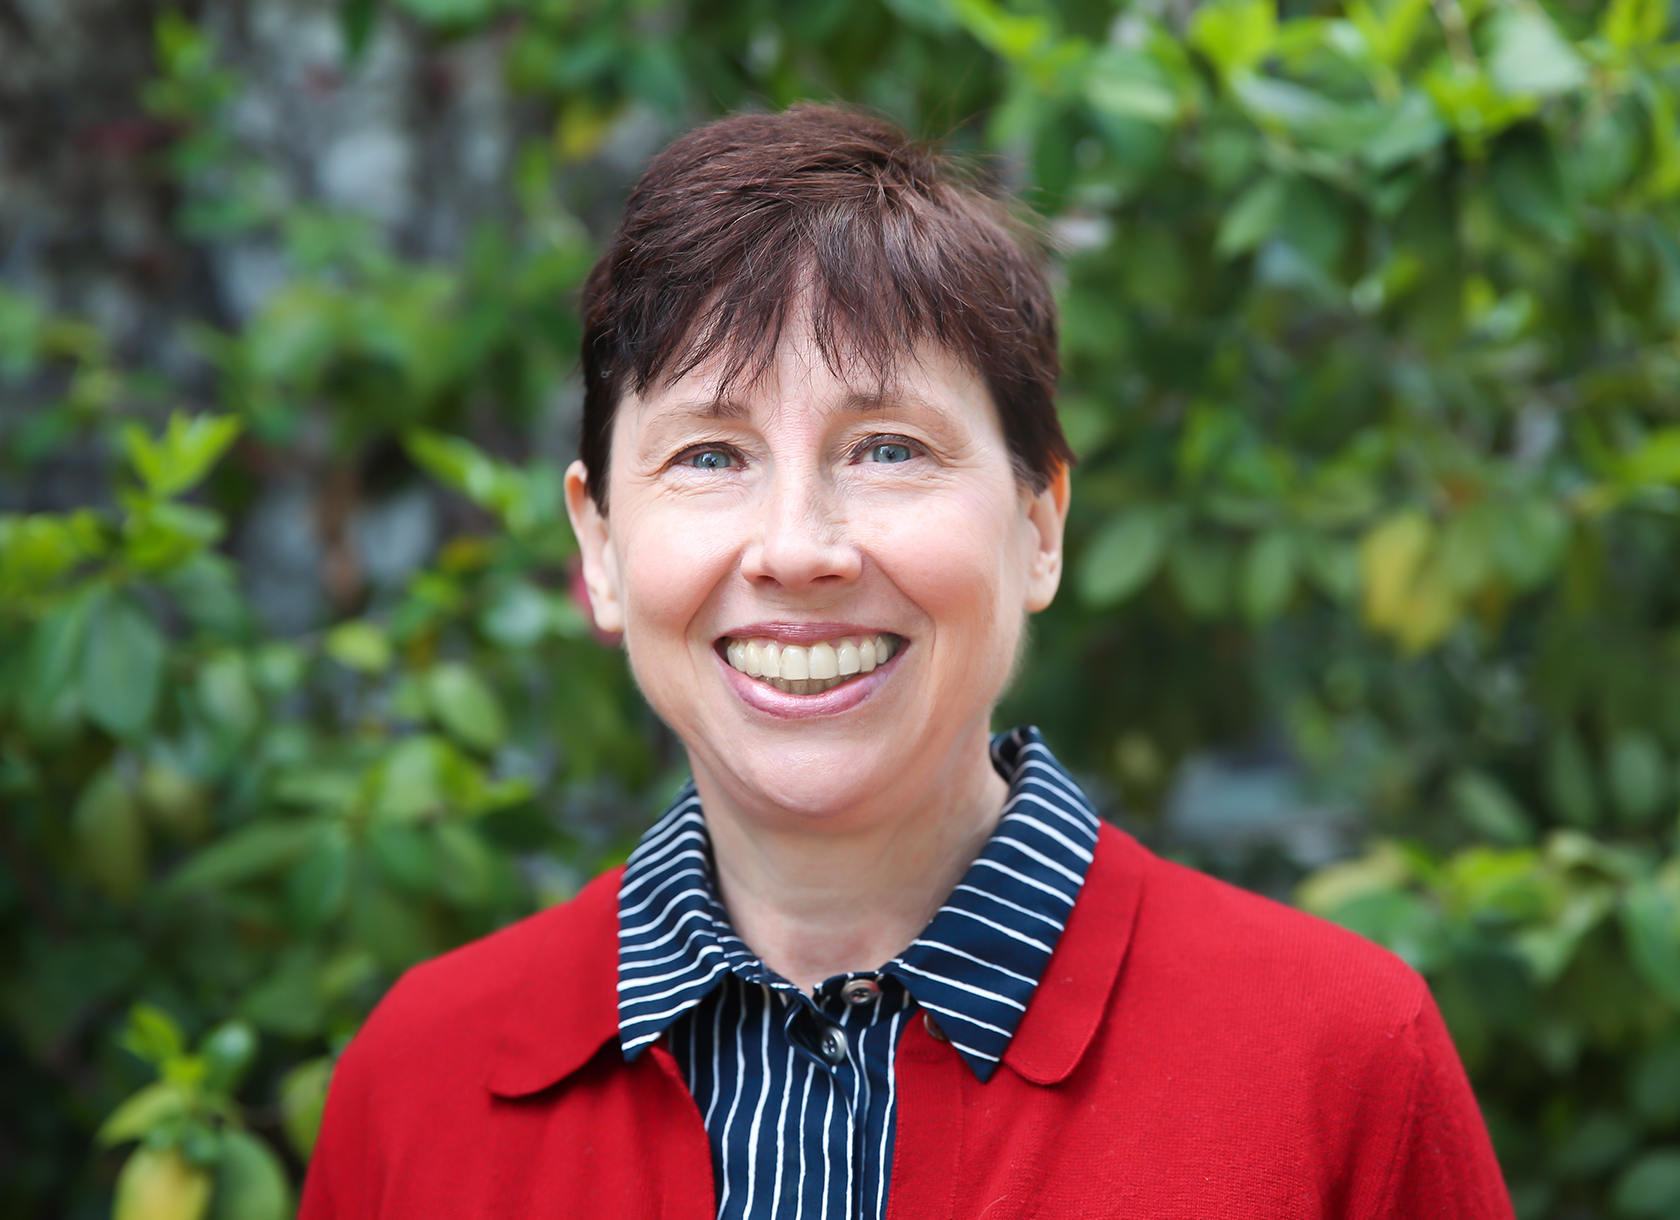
(1046, 521)
(600, 559)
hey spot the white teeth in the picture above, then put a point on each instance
(801, 670)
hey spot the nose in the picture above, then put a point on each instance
(803, 538)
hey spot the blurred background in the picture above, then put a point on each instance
(1370, 315)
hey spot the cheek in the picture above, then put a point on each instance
(669, 572)
(957, 559)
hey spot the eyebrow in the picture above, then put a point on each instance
(861, 402)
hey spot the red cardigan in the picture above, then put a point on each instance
(1193, 1051)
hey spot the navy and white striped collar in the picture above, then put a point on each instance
(975, 966)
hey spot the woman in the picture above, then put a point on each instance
(873, 961)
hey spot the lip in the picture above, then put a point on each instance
(843, 698)
(800, 633)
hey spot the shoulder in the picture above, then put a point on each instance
(1202, 943)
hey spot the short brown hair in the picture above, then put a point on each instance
(894, 244)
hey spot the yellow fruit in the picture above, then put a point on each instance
(162, 1185)
(110, 836)
(176, 804)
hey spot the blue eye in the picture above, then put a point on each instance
(709, 459)
(891, 451)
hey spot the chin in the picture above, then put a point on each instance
(807, 787)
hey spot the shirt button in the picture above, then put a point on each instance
(833, 1046)
(860, 991)
(932, 1026)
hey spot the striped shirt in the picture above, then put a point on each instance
(797, 1090)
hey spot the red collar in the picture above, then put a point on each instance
(566, 1008)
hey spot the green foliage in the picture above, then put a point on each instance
(1369, 335)
(195, 1157)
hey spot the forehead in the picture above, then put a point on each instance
(800, 381)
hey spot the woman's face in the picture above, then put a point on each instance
(759, 548)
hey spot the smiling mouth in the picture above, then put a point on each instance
(798, 669)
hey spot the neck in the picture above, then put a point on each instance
(851, 898)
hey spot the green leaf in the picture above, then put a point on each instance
(1253, 217)
(251, 851)
(1235, 35)
(160, 537)
(1123, 556)
(1130, 85)
(1529, 56)
(50, 696)
(178, 460)
(1529, 187)
(518, 615)
(356, 20)
(360, 645)
(122, 667)
(1652, 924)
(251, 1183)
(1400, 921)
(152, 1106)
(319, 880)
(1656, 460)
(1014, 36)
(466, 869)
(1471, 103)
(405, 856)
(1489, 809)
(1599, 1142)
(450, 12)
(227, 696)
(1390, 29)
(461, 465)
(303, 1100)
(1639, 775)
(411, 782)
(228, 1051)
(287, 1001)
(1651, 1185)
(1333, 565)
(1569, 781)
(1281, 103)
(1627, 24)
(1529, 540)
(37, 549)
(1654, 1083)
(1268, 575)
(935, 16)
(1414, 128)
(1202, 571)
(294, 334)
(465, 706)
(526, 499)
(1380, 870)
(153, 1035)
